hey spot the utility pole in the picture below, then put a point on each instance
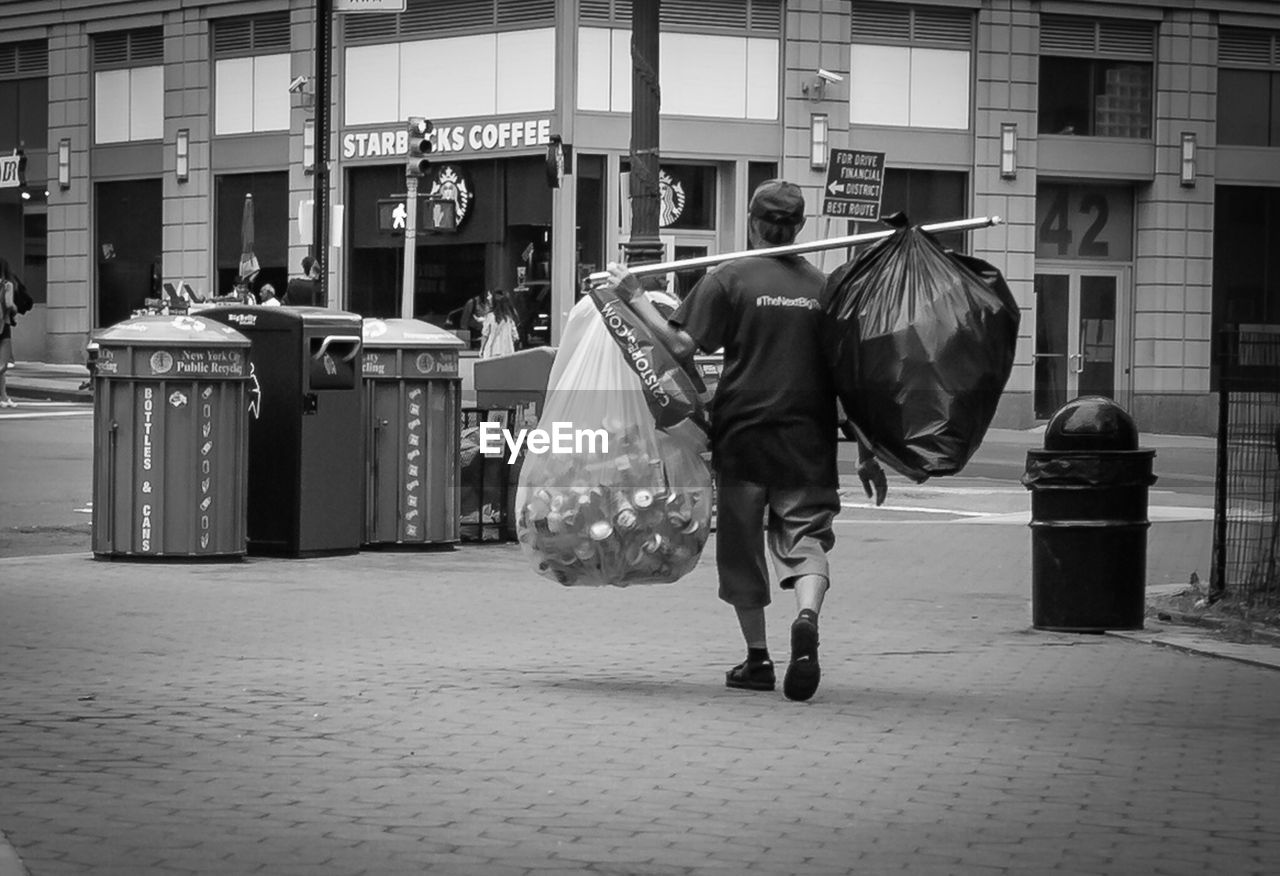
(320, 212)
(417, 164)
(409, 287)
(646, 99)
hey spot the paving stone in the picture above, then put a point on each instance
(379, 731)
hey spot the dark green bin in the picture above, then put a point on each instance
(170, 439)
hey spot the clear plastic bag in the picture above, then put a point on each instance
(638, 512)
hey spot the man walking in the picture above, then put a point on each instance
(773, 431)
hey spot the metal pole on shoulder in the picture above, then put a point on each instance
(796, 248)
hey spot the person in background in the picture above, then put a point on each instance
(242, 292)
(473, 314)
(267, 296)
(499, 332)
(773, 439)
(303, 291)
(8, 318)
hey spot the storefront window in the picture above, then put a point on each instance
(1248, 108)
(1095, 98)
(686, 194)
(35, 248)
(24, 105)
(270, 228)
(503, 236)
(1246, 255)
(591, 201)
(925, 196)
(1246, 258)
(129, 246)
(758, 172)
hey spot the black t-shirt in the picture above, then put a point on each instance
(300, 292)
(774, 413)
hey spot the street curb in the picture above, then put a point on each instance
(10, 863)
(1258, 635)
(36, 393)
(1189, 642)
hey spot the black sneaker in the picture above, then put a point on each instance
(751, 676)
(803, 673)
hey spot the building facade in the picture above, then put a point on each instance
(1132, 149)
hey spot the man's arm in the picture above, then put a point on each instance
(627, 286)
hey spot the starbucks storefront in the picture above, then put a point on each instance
(501, 236)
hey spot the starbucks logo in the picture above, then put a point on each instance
(671, 194)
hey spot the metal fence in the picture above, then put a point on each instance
(1246, 542)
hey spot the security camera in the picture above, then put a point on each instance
(297, 84)
(829, 76)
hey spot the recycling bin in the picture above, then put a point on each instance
(517, 380)
(413, 396)
(170, 439)
(1089, 488)
(306, 436)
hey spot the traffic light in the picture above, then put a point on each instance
(420, 146)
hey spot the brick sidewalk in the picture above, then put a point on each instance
(451, 713)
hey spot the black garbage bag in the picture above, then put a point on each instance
(921, 342)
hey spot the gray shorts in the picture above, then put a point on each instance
(799, 537)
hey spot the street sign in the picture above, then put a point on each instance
(10, 171)
(855, 184)
(368, 5)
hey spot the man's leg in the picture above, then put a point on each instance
(810, 589)
(752, 622)
(800, 535)
(744, 576)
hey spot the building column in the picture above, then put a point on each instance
(70, 231)
(1173, 276)
(302, 108)
(1007, 71)
(188, 205)
(817, 37)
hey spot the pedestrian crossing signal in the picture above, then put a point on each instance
(420, 146)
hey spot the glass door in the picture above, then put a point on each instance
(1077, 320)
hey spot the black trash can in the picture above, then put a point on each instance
(1089, 521)
(306, 435)
(170, 439)
(413, 404)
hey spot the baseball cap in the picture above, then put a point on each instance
(778, 201)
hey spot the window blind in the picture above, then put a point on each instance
(128, 48)
(261, 34)
(1240, 47)
(26, 59)
(896, 24)
(1068, 35)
